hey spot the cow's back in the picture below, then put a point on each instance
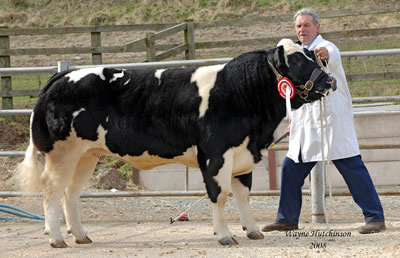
(139, 110)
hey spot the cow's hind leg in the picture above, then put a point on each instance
(82, 174)
(55, 178)
(218, 187)
(241, 186)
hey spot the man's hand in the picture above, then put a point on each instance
(322, 53)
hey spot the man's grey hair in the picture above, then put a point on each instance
(309, 12)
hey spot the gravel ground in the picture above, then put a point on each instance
(139, 227)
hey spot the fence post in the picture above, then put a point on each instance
(63, 66)
(6, 85)
(317, 194)
(272, 170)
(186, 178)
(190, 53)
(150, 47)
(96, 42)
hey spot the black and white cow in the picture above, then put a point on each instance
(218, 118)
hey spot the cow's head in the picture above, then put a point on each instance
(292, 61)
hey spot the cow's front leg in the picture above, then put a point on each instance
(218, 178)
(241, 186)
(224, 236)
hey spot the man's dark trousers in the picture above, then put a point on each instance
(355, 175)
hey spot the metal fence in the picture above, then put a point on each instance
(171, 64)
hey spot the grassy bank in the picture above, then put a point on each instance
(46, 13)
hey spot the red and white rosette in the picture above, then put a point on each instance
(284, 85)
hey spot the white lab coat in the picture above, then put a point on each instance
(305, 129)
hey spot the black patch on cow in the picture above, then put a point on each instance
(86, 125)
(246, 179)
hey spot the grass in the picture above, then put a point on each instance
(27, 82)
(39, 13)
(125, 169)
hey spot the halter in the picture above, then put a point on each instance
(301, 90)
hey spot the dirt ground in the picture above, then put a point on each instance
(139, 227)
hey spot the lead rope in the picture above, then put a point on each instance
(329, 177)
(322, 114)
(325, 163)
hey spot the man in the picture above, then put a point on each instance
(305, 140)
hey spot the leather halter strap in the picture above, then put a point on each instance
(304, 89)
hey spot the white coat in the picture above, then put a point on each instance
(305, 127)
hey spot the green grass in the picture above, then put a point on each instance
(375, 88)
(27, 82)
(124, 168)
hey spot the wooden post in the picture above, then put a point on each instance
(96, 42)
(186, 178)
(272, 170)
(150, 47)
(135, 176)
(6, 85)
(317, 194)
(190, 53)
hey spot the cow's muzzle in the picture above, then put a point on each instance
(333, 82)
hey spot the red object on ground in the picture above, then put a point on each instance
(185, 217)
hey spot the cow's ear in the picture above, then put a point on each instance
(279, 56)
(309, 53)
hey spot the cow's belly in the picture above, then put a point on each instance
(147, 161)
(243, 160)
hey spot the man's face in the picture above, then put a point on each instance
(305, 29)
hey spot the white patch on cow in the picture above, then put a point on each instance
(290, 47)
(241, 194)
(205, 78)
(208, 162)
(158, 75)
(243, 160)
(116, 76)
(127, 81)
(76, 113)
(77, 75)
(148, 161)
(224, 176)
(107, 119)
(101, 136)
(219, 221)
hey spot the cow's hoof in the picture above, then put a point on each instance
(46, 232)
(228, 241)
(59, 244)
(85, 240)
(255, 235)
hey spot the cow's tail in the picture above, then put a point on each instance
(29, 171)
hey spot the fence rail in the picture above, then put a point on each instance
(158, 51)
(8, 72)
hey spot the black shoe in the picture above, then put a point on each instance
(372, 227)
(279, 227)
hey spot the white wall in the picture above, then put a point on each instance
(383, 164)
